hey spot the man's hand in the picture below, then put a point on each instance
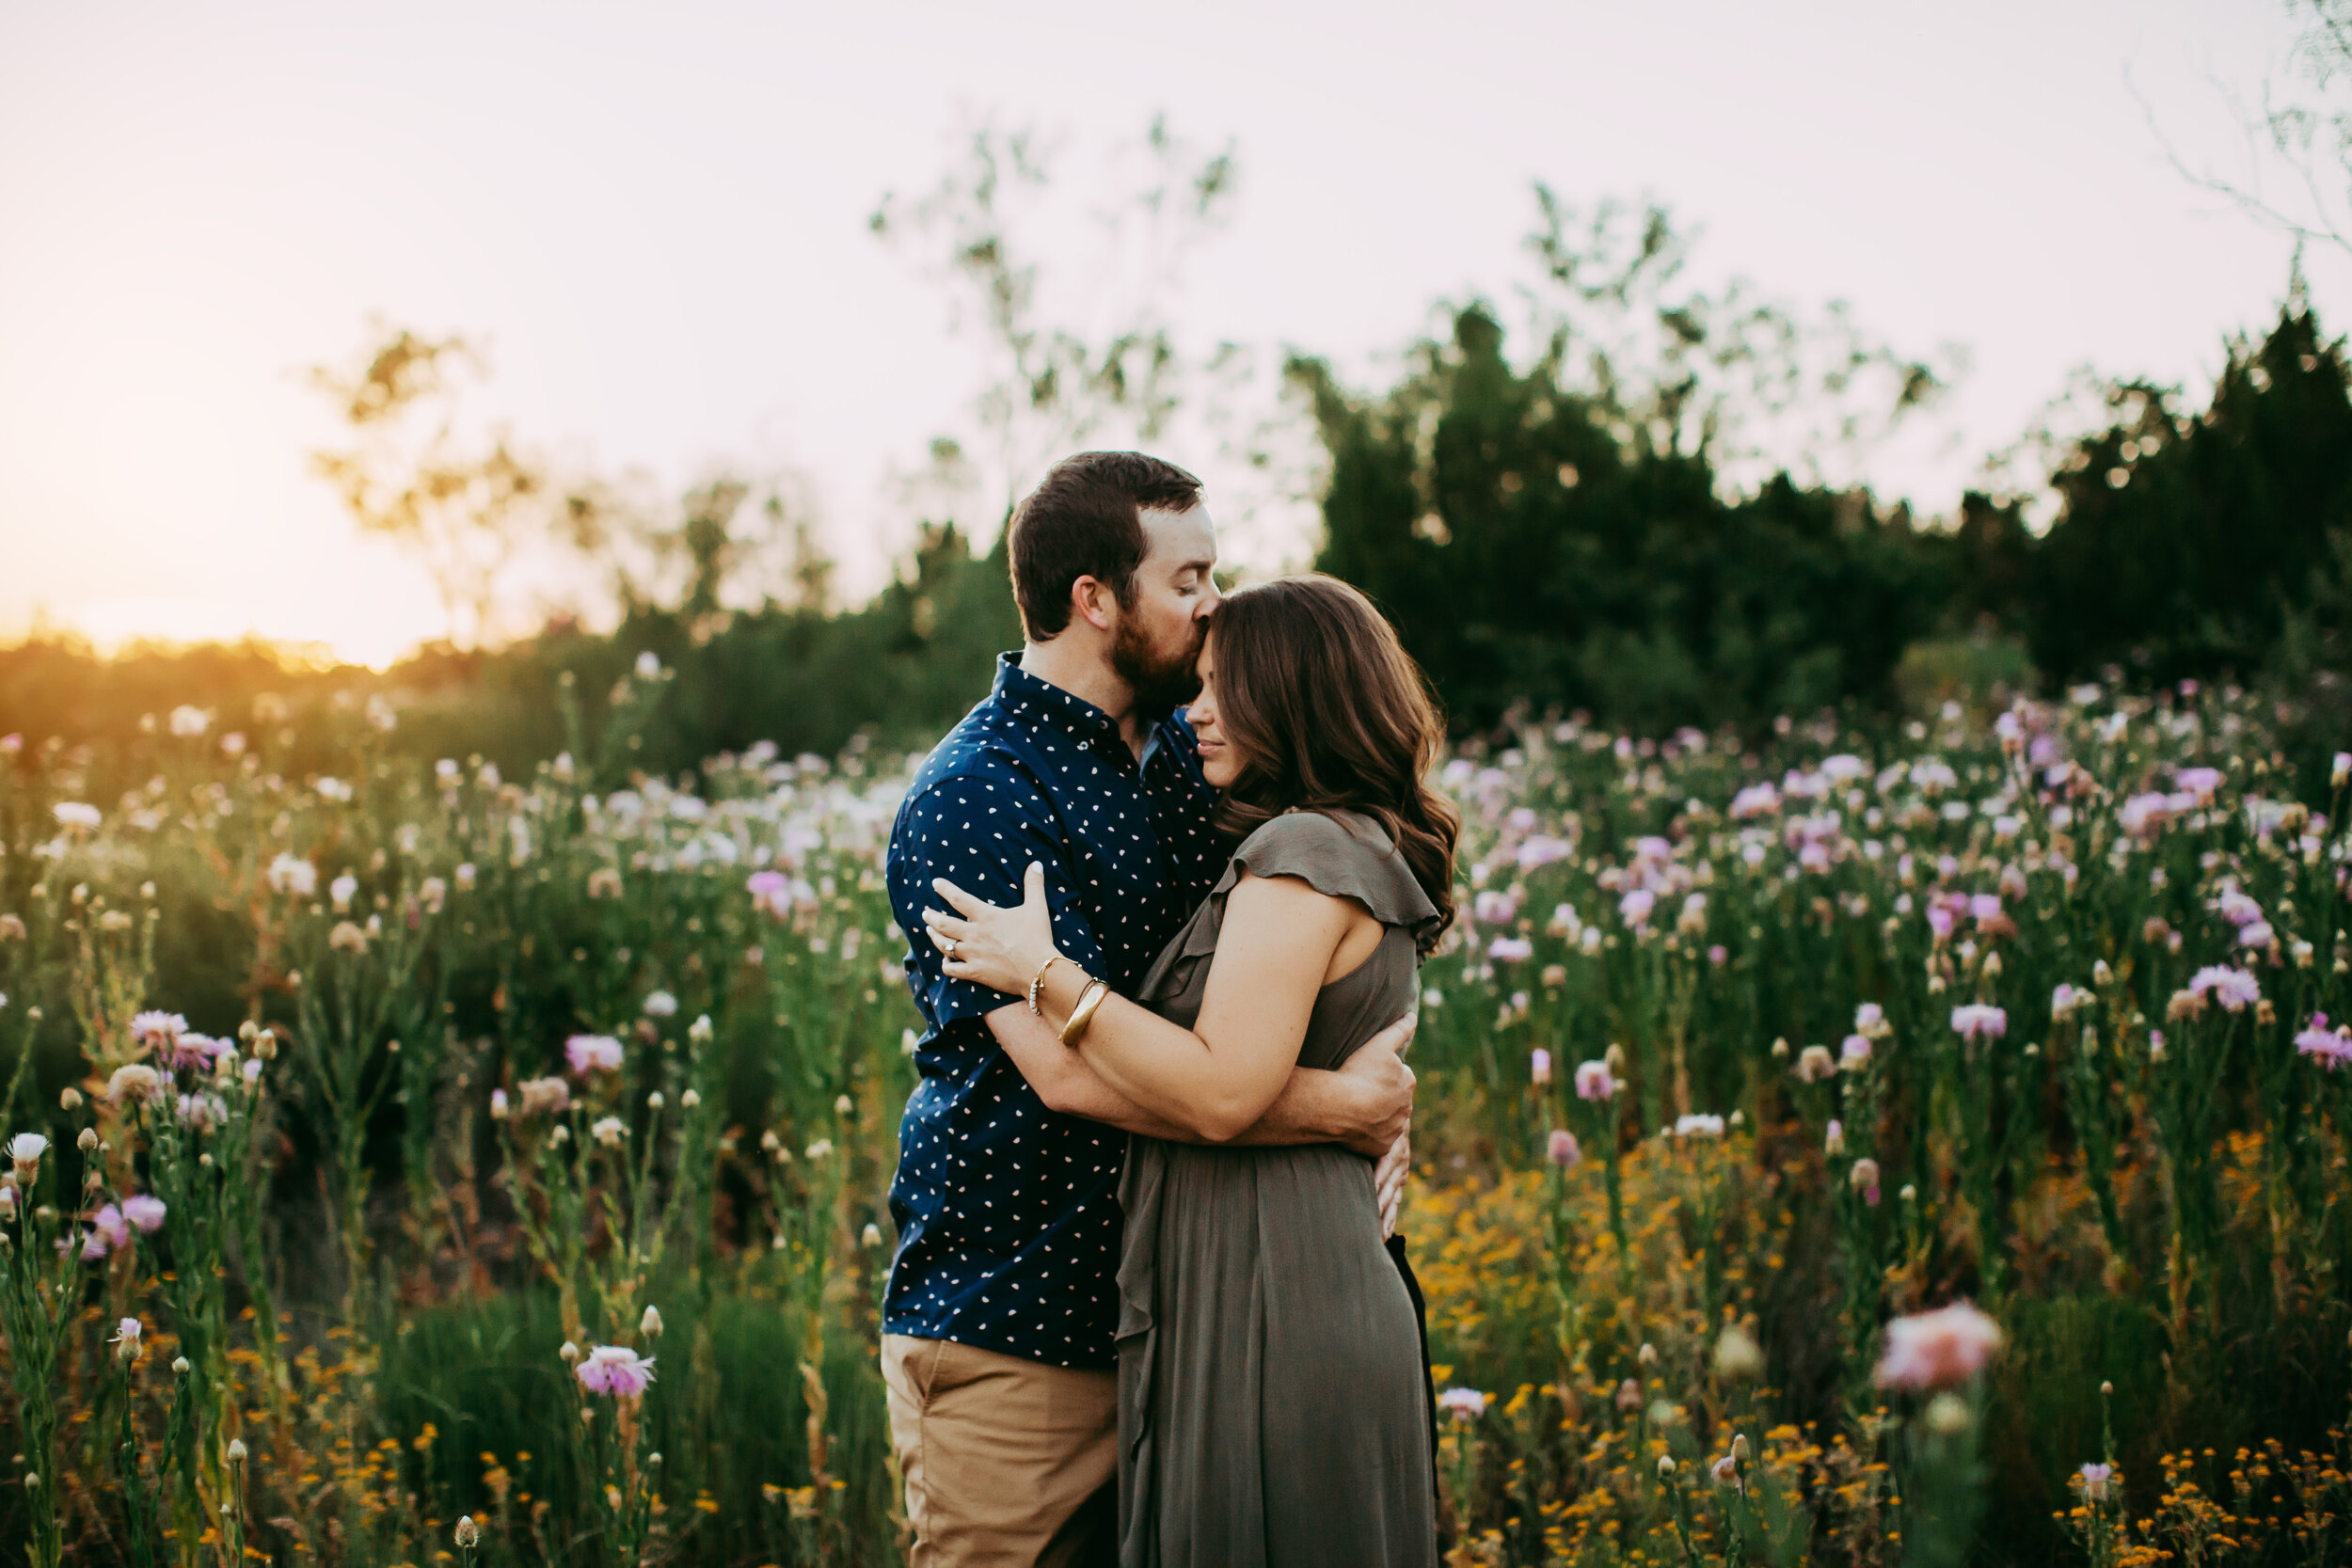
(1380, 1092)
(1387, 1182)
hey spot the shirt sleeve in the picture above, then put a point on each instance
(980, 834)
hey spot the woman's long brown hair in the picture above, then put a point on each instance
(1326, 708)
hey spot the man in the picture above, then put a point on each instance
(997, 1326)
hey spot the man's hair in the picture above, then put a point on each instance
(1085, 519)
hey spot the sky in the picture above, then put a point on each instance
(654, 221)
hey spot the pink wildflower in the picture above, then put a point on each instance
(591, 1052)
(1937, 1350)
(1510, 949)
(1853, 1052)
(158, 1030)
(1975, 1019)
(617, 1370)
(1539, 1066)
(194, 1050)
(1593, 1081)
(2142, 814)
(2233, 988)
(2330, 1048)
(2237, 909)
(1560, 1149)
(1494, 907)
(145, 1211)
(108, 1230)
(1864, 1178)
(1463, 1404)
(2200, 782)
(771, 893)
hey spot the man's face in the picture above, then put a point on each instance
(1162, 624)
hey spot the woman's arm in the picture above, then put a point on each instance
(1278, 942)
(1364, 1105)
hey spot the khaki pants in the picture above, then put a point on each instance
(1009, 1463)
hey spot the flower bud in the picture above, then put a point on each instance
(236, 1451)
(1992, 966)
(651, 1324)
(88, 1140)
(179, 1366)
(1948, 1414)
(689, 1100)
(1647, 1355)
(1738, 1357)
(469, 1534)
(570, 1353)
(653, 1100)
(69, 1099)
(1665, 1466)
(1740, 1447)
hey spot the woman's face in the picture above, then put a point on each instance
(1220, 760)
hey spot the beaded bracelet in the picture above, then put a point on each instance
(1036, 981)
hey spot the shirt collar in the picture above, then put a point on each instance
(1017, 688)
(1086, 724)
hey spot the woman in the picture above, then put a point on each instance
(1272, 1406)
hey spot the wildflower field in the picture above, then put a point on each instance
(1919, 1143)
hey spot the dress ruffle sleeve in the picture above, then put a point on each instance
(1341, 854)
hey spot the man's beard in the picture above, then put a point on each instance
(1160, 685)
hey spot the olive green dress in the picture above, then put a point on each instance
(1272, 1407)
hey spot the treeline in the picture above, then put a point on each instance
(1530, 553)
(1533, 549)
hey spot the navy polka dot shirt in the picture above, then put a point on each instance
(1007, 1213)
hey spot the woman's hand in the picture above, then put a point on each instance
(1001, 949)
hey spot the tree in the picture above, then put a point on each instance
(1082, 349)
(2188, 545)
(1671, 367)
(1528, 549)
(2301, 136)
(1616, 526)
(466, 509)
